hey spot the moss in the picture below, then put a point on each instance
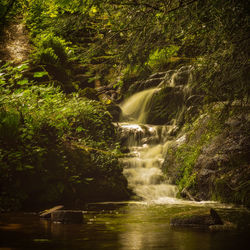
(199, 134)
(224, 192)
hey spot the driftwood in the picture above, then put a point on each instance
(46, 214)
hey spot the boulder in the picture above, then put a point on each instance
(115, 111)
(197, 218)
(226, 227)
(223, 164)
(67, 216)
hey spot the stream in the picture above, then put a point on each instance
(124, 225)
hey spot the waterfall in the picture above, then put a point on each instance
(148, 143)
(142, 166)
(136, 108)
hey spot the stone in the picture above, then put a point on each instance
(115, 112)
(226, 227)
(200, 218)
(182, 76)
(67, 216)
(194, 100)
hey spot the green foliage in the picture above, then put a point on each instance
(89, 93)
(50, 142)
(160, 57)
(11, 77)
(9, 125)
(40, 74)
(199, 134)
(225, 193)
(186, 157)
(105, 34)
(51, 49)
(36, 16)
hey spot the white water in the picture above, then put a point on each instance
(148, 143)
(137, 106)
(143, 164)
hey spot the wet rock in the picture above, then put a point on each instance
(197, 218)
(194, 100)
(222, 165)
(156, 179)
(145, 84)
(226, 227)
(182, 76)
(115, 111)
(67, 216)
(150, 83)
(165, 105)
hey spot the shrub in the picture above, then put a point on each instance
(51, 49)
(48, 143)
(160, 57)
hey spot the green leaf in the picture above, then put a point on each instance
(22, 67)
(40, 74)
(23, 82)
(79, 129)
(41, 240)
(89, 179)
(28, 167)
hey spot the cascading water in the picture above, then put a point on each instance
(146, 144)
(137, 106)
(143, 164)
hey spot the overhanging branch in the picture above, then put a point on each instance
(135, 3)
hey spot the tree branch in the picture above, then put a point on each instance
(135, 3)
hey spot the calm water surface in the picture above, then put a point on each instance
(125, 226)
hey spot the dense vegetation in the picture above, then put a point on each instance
(51, 115)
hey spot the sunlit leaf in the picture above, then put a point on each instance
(23, 82)
(40, 74)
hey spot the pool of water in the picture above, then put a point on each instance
(126, 226)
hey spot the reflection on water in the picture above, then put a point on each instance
(125, 226)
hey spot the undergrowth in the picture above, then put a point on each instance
(52, 146)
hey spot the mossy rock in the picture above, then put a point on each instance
(197, 218)
(115, 111)
(165, 106)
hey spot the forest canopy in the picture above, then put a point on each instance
(140, 35)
